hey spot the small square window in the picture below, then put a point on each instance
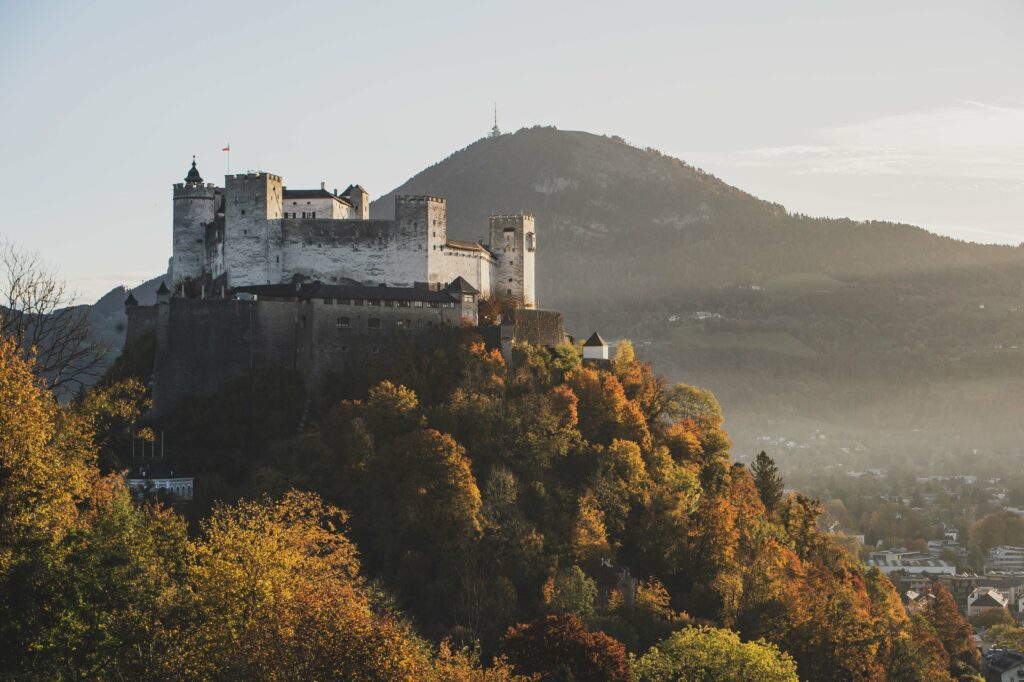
(344, 349)
(343, 322)
(357, 301)
(375, 350)
(374, 302)
(328, 301)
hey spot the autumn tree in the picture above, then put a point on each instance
(953, 631)
(560, 648)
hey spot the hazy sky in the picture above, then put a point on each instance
(909, 111)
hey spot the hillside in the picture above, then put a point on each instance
(879, 330)
(657, 226)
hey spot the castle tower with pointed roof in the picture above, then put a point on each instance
(194, 209)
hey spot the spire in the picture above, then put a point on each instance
(193, 177)
(495, 131)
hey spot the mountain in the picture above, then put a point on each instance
(624, 224)
(873, 333)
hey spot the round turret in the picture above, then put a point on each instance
(194, 209)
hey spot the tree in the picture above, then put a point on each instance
(274, 592)
(46, 460)
(953, 631)
(560, 649)
(1009, 636)
(37, 311)
(714, 655)
(990, 617)
(766, 478)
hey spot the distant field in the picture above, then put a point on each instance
(801, 282)
(775, 342)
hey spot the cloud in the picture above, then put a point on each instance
(965, 140)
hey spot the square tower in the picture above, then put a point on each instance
(252, 229)
(421, 230)
(514, 245)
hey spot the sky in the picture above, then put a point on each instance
(910, 111)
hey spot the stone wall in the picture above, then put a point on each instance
(367, 251)
(194, 209)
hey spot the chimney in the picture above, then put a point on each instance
(323, 185)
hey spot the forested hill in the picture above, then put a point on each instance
(622, 223)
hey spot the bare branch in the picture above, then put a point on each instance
(37, 310)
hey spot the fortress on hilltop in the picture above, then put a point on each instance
(255, 231)
(262, 276)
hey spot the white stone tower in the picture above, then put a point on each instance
(514, 245)
(252, 229)
(421, 223)
(194, 209)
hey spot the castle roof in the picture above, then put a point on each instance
(131, 299)
(460, 286)
(348, 191)
(312, 194)
(468, 246)
(163, 288)
(193, 177)
(595, 340)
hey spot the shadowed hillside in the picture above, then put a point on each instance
(883, 331)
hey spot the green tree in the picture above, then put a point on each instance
(713, 655)
(766, 478)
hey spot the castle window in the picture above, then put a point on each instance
(373, 302)
(344, 349)
(467, 298)
(343, 322)
(389, 304)
(434, 304)
(403, 304)
(373, 323)
(344, 301)
(357, 301)
(508, 291)
(328, 301)
(243, 211)
(401, 324)
(375, 350)
(510, 279)
(417, 304)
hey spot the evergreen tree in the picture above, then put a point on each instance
(766, 478)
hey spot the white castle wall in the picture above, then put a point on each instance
(254, 244)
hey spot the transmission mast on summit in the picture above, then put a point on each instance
(495, 131)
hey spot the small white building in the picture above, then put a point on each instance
(148, 480)
(983, 599)
(595, 348)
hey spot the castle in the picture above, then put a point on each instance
(255, 232)
(263, 277)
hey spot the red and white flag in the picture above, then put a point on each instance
(227, 149)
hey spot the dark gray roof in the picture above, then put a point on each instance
(461, 286)
(1001, 660)
(193, 176)
(131, 299)
(595, 340)
(469, 246)
(308, 290)
(348, 190)
(312, 194)
(163, 288)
